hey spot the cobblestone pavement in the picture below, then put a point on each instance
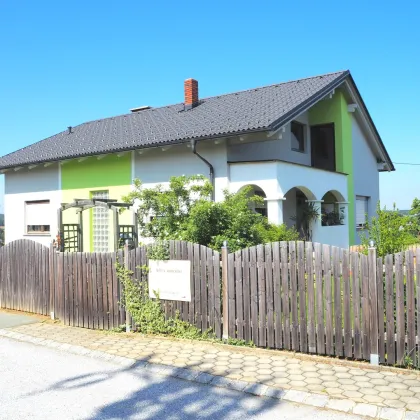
(346, 386)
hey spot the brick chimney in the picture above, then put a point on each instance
(190, 93)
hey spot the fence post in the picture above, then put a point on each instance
(225, 301)
(51, 256)
(126, 266)
(373, 303)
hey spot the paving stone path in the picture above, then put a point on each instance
(342, 385)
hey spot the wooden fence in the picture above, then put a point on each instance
(204, 310)
(86, 289)
(25, 277)
(298, 296)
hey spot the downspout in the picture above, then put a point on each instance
(193, 146)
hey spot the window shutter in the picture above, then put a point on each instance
(361, 210)
(37, 213)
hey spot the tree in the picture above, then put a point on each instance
(390, 231)
(415, 216)
(184, 211)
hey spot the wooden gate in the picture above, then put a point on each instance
(24, 277)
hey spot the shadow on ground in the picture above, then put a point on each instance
(163, 397)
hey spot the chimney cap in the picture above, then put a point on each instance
(140, 108)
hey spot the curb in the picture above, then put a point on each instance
(261, 390)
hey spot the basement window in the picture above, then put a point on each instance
(298, 136)
(37, 217)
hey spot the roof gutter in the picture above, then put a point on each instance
(194, 150)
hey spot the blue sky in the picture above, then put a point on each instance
(64, 63)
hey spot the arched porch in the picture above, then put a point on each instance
(300, 210)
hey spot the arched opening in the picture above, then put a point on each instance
(260, 208)
(333, 209)
(300, 210)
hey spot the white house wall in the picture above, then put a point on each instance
(27, 185)
(366, 175)
(317, 181)
(257, 147)
(155, 166)
(276, 179)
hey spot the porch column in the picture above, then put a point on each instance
(275, 210)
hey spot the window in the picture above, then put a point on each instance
(37, 217)
(298, 136)
(323, 147)
(361, 211)
(100, 224)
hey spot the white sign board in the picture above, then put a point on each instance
(171, 279)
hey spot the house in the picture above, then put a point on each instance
(305, 141)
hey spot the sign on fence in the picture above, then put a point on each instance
(171, 279)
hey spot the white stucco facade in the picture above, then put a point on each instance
(276, 179)
(366, 175)
(157, 166)
(38, 184)
(258, 147)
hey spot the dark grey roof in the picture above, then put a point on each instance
(264, 108)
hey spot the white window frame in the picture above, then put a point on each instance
(41, 220)
(363, 201)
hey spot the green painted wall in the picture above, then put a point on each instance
(335, 111)
(81, 179)
(93, 173)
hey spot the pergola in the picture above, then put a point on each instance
(73, 232)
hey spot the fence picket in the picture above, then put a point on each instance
(365, 307)
(338, 319)
(309, 265)
(348, 350)
(239, 295)
(217, 292)
(390, 323)
(277, 296)
(203, 286)
(355, 273)
(210, 295)
(254, 293)
(410, 305)
(262, 341)
(418, 302)
(303, 337)
(270, 295)
(285, 294)
(246, 295)
(381, 312)
(293, 296)
(320, 333)
(197, 286)
(231, 296)
(399, 297)
(329, 320)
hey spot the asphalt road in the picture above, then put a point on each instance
(10, 320)
(42, 383)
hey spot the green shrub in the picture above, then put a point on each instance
(390, 231)
(184, 211)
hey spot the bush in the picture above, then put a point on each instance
(184, 211)
(390, 231)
